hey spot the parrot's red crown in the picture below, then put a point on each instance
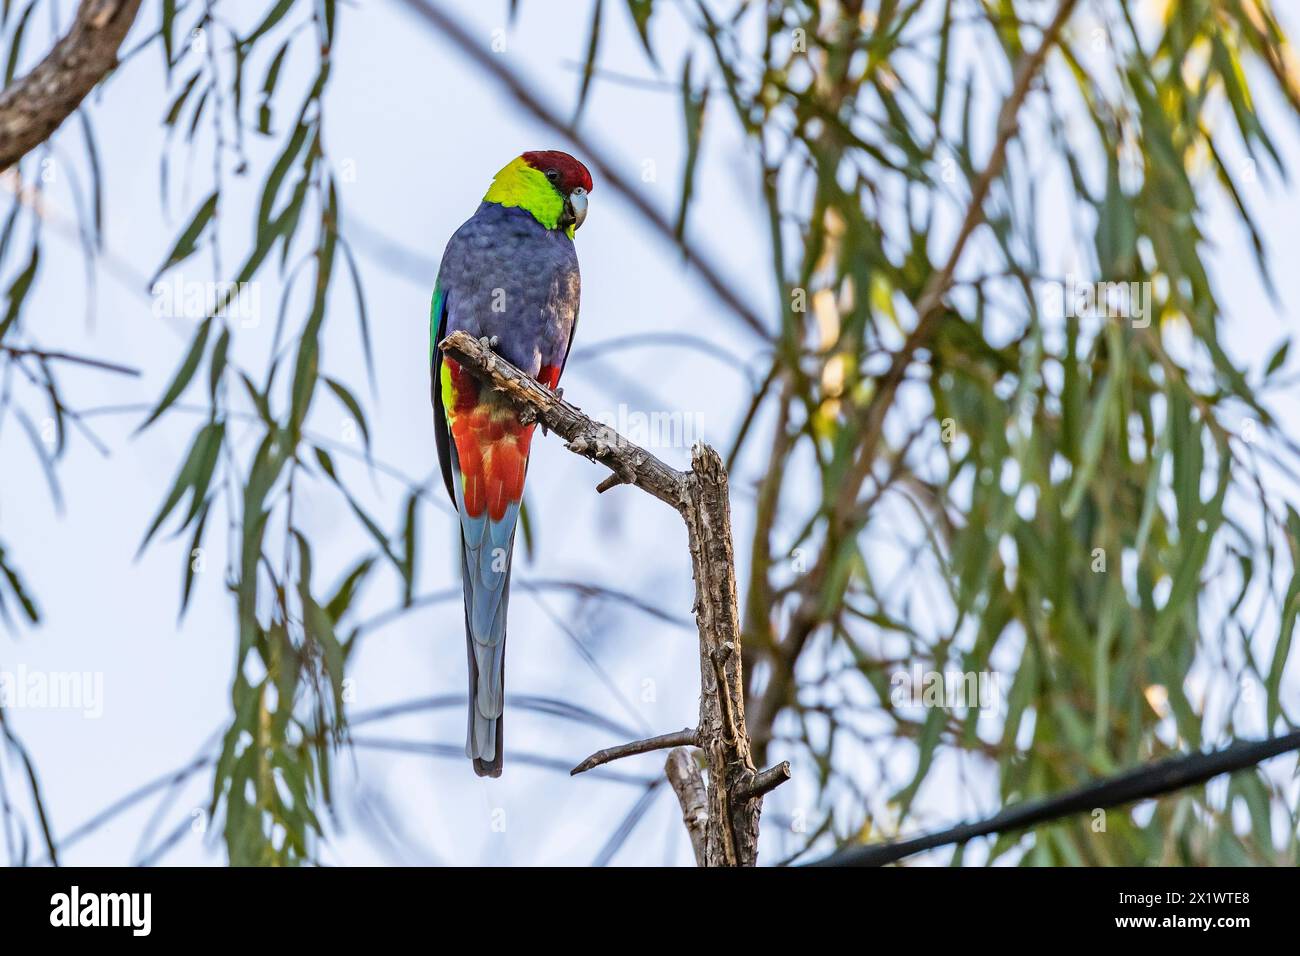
(570, 174)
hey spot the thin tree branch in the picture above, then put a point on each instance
(68, 357)
(624, 830)
(33, 781)
(34, 106)
(684, 777)
(767, 781)
(177, 776)
(688, 737)
(538, 704)
(581, 588)
(167, 843)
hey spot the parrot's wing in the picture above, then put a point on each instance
(437, 332)
(568, 346)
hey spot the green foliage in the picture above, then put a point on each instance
(1076, 484)
(272, 775)
(17, 593)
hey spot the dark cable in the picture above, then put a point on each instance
(1141, 783)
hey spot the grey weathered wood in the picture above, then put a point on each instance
(684, 777)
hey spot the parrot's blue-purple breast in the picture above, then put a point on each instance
(503, 274)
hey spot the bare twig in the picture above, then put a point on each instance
(611, 481)
(33, 106)
(767, 781)
(68, 357)
(624, 830)
(687, 737)
(684, 776)
(33, 781)
(174, 837)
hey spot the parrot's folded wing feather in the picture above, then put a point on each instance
(438, 332)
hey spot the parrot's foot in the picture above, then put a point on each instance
(489, 343)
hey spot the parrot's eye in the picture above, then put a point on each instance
(553, 175)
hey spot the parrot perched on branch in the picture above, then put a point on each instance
(509, 275)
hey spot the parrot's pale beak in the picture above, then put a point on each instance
(575, 208)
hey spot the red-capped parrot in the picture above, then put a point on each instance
(510, 275)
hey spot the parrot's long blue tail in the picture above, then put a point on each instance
(486, 551)
(489, 459)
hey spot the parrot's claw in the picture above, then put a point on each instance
(489, 342)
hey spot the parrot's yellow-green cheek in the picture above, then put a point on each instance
(518, 184)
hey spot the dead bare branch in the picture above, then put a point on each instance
(69, 357)
(684, 777)
(687, 737)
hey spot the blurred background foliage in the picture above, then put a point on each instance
(951, 471)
